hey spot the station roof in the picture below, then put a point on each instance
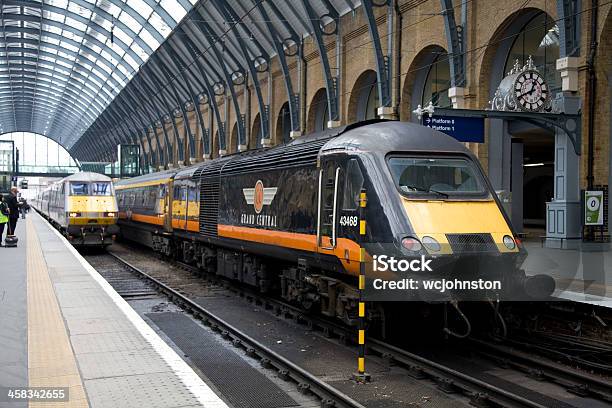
(63, 61)
(82, 71)
(219, 42)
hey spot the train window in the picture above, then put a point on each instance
(418, 176)
(152, 197)
(192, 194)
(78, 188)
(352, 185)
(101, 189)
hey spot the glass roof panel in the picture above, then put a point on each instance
(97, 44)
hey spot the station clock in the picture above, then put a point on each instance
(531, 91)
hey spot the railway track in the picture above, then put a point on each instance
(477, 391)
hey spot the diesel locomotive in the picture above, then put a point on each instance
(82, 207)
(286, 218)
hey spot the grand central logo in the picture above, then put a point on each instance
(259, 196)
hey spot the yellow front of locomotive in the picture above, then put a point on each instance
(91, 211)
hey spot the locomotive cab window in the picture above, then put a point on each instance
(100, 189)
(352, 185)
(441, 177)
(78, 188)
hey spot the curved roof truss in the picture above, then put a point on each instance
(62, 62)
(217, 47)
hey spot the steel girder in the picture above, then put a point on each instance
(212, 101)
(330, 81)
(568, 12)
(205, 28)
(456, 45)
(249, 59)
(292, 97)
(383, 63)
(248, 42)
(169, 107)
(160, 96)
(186, 83)
(146, 119)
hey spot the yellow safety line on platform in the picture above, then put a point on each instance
(51, 361)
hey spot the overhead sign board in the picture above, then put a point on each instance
(593, 208)
(464, 129)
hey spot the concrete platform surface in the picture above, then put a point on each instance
(63, 326)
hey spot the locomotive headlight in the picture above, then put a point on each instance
(74, 214)
(431, 243)
(411, 244)
(509, 242)
(111, 214)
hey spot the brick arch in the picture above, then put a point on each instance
(278, 134)
(232, 143)
(317, 102)
(364, 81)
(255, 132)
(415, 78)
(275, 136)
(491, 68)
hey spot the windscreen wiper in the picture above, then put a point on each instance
(426, 190)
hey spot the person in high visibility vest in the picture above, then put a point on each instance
(4, 212)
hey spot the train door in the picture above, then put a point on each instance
(168, 189)
(185, 206)
(349, 190)
(327, 205)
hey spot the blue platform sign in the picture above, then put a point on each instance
(463, 129)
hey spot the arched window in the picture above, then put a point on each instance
(318, 115)
(283, 127)
(40, 154)
(256, 139)
(363, 101)
(372, 102)
(437, 82)
(232, 146)
(539, 38)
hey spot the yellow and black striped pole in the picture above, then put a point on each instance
(361, 375)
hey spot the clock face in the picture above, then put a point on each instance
(531, 91)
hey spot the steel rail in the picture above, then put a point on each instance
(579, 383)
(480, 392)
(330, 396)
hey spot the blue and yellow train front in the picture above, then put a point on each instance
(91, 219)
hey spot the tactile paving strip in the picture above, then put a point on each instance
(51, 362)
(238, 381)
(151, 391)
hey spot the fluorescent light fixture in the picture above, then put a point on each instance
(533, 165)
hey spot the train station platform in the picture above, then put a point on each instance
(581, 275)
(62, 326)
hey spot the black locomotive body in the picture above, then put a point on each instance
(287, 219)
